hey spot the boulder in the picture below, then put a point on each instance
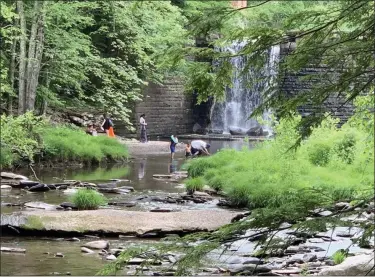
(41, 205)
(236, 131)
(9, 175)
(97, 244)
(6, 187)
(352, 266)
(110, 257)
(309, 258)
(39, 188)
(256, 131)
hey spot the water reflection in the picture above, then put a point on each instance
(141, 169)
(172, 166)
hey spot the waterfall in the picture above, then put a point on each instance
(241, 100)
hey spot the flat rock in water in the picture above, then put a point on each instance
(70, 191)
(162, 176)
(97, 244)
(111, 257)
(6, 187)
(127, 188)
(14, 250)
(248, 269)
(112, 221)
(39, 188)
(113, 190)
(87, 250)
(9, 175)
(160, 210)
(123, 204)
(41, 205)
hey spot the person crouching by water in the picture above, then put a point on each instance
(107, 126)
(199, 147)
(143, 123)
(91, 130)
(172, 146)
(188, 150)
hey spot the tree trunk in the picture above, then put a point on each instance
(11, 74)
(36, 47)
(22, 59)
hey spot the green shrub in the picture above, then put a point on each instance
(88, 199)
(319, 154)
(344, 148)
(339, 256)
(194, 184)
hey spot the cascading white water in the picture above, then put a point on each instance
(242, 99)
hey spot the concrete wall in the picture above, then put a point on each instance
(168, 110)
(291, 85)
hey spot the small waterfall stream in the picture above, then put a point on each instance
(242, 99)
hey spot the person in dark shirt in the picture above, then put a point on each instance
(107, 126)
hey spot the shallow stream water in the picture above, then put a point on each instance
(139, 171)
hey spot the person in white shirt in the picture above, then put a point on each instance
(199, 147)
(143, 123)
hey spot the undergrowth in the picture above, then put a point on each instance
(88, 199)
(27, 137)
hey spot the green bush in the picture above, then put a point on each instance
(345, 147)
(319, 154)
(88, 199)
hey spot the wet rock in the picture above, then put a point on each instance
(115, 251)
(41, 205)
(256, 131)
(316, 240)
(62, 187)
(352, 266)
(11, 204)
(111, 257)
(106, 186)
(240, 216)
(171, 259)
(9, 175)
(114, 190)
(66, 205)
(28, 183)
(160, 210)
(287, 271)
(73, 239)
(127, 188)
(294, 260)
(248, 269)
(342, 206)
(136, 261)
(39, 188)
(252, 260)
(51, 186)
(59, 255)
(98, 244)
(87, 250)
(162, 176)
(323, 213)
(345, 234)
(70, 191)
(257, 237)
(13, 250)
(309, 258)
(124, 204)
(233, 260)
(6, 187)
(236, 131)
(292, 250)
(119, 180)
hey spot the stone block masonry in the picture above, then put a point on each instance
(167, 107)
(292, 84)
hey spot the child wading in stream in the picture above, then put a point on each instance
(174, 141)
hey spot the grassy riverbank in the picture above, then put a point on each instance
(332, 165)
(28, 138)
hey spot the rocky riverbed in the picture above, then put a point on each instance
(148, 202)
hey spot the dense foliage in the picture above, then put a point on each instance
(280, 185)
(28, 138)
(92, 53)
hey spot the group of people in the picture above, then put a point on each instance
(192, 149)
(106, 126)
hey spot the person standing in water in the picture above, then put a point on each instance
(143, 123)
(107, 126)
(172, 146)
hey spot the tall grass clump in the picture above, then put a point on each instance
(339, 256)
(88, 199)
(194, 184)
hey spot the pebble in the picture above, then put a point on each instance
(60, 255)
